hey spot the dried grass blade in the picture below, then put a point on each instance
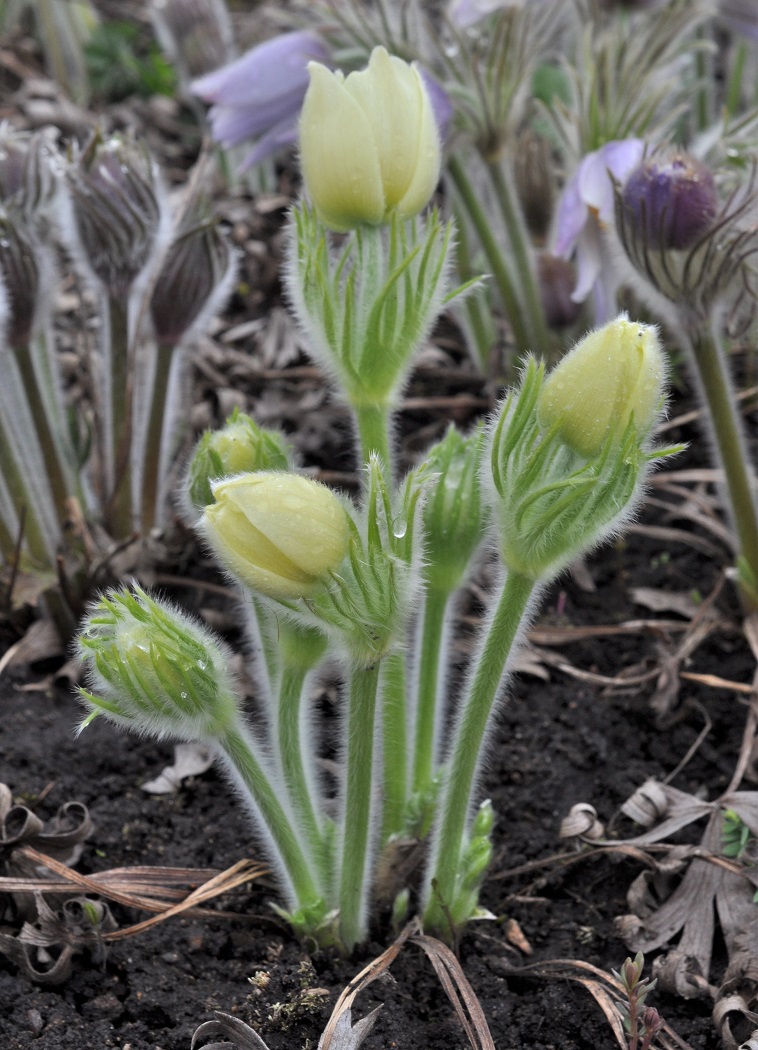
(219, 882)
(457, 988)
(368, 974)
(606, 1003)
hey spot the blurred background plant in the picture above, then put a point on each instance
(78, 478)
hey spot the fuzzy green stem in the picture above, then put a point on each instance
(500, 271)
(290, 748)
(357, 803)
(531, 299)
(710, 363)
(153, 435)
(482, 690)
(373, 432)
(430, 653)
(394, 744)
(239, 748)
(119, 503)
(56, 474)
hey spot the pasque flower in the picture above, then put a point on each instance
(260, 94)
(369, 144)
(281, 534)
(673, 200)
(585, 209)
(616, 374)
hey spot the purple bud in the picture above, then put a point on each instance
(194, 276)
(19, 274)
(115, 197)
(673, 202)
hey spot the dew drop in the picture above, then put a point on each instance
(399, 528)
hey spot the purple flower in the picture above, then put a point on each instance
(585, 209)
(261, 94)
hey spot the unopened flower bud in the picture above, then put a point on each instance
(672, 203)
(194, 279)
(239, 447)
(155, 668)
(369, 143)
(20, 275)
(116, 200)
(280, 534)
(615, 374)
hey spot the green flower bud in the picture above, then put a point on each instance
(155, 669)
(369, 143)
(280, 534)
(484, 821)
(614, 375)
(239, 447)
(568, 458)
(453, 514)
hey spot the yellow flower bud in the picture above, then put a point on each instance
(369, 143)
(281, 534)
(613, 374)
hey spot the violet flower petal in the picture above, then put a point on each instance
(571, 215)
(265, 73)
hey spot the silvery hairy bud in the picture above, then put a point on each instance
(117, 206)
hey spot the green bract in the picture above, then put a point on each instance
(155, 668)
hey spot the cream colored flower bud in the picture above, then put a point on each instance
(281, 534)
(369, 143)
(613, 374)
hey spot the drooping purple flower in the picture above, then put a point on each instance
(259, 96)
(672, 202)
(585, 209)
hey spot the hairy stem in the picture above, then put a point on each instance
(428, 678)
(357, 804)
(394, 744)
(238, 747)
(485, 679)
(711, 367)
(153, 437)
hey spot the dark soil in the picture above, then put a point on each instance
(559, 742)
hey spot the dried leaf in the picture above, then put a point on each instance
(190, 760)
